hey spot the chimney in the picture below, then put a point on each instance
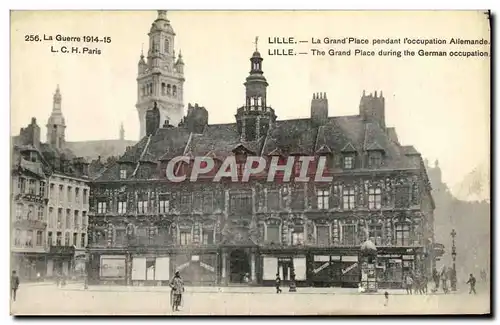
(319, 109)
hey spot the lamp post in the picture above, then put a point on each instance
(454, 257)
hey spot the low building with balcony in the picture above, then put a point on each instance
(143, 226)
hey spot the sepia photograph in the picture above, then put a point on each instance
(245, 163)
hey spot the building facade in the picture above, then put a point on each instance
(29, 198)
(51, 194)
(143, 226)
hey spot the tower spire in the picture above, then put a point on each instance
(256, 43)
(122, 132)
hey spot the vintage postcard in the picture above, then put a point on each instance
(250, 162)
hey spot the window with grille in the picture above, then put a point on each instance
(142, 206)
(208, 237)
(32, 186)
(40, 213)
(374, 198)
(101, 207)
(323, 199)
(122, 207)
(123, 174)
(82, 241)
(348, 199)
(185, 237)
(375, 159)
(298, 236)
(39, 238)
(41, 190)
(163, 203)
(402, 234)
(349, 162)
(375, 233)
(21, 185)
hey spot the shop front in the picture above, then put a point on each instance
(393, 265)
(196, 267)
(334, 268)
(283, 263)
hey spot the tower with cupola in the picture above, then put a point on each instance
(160, 75)
(256, 117)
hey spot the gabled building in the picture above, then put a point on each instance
(51, 193)
(143, 226)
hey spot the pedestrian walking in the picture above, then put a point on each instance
(14, 285)
(409, 284)
(472, 284)
(435, 277)
(177, 286)
(278, 283)
(386, 303)
(444, 280)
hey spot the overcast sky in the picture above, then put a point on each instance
(438, 104)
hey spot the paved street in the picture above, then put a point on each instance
(46, 299)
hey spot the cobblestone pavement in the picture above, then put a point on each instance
(46, 299)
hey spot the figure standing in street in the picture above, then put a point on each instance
(177, 286)
(386, 294)
(278, 283)
(444, 280)
(14, 285)
(435, 277)
(472, 284)
(409, 284)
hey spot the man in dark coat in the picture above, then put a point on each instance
(472, 284)
(14, 285)
(278, 283)
(177, 286)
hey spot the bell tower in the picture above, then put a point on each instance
(160, 76)
(56, 125)
(255, 118)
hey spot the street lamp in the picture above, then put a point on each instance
(454, 257)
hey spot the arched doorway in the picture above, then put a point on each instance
(239, 265)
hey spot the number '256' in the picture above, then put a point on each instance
(31, 38)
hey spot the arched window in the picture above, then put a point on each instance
(163, 89)
(167, 46)
(174, 90)
(169, 89)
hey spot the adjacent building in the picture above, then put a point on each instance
(51, 194)
(143, 226)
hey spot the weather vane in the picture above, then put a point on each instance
(256, 42)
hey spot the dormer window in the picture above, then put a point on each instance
(375, 159)
(349, 162)
(123, 174)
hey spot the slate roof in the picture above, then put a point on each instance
(287, 137)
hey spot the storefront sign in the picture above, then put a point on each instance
(207, 267)
(408, 257)
(390, 255)
(349, 268)
(321, 258)
(285, 259)
(322, 267)
(112, 267)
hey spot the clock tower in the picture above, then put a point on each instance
(160, 76)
